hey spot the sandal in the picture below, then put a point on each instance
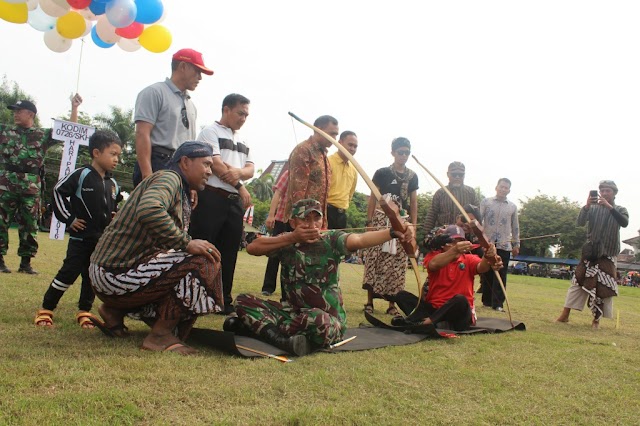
(44, 318)
(368, 308)
(83, 319)
(393, 311)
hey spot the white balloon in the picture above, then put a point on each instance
(56, 42)
(41, 21)
(54, 7)
(32, 4)
(106, 31)
(89, 25)
(121, 13)
(128, 45)
(88, 14)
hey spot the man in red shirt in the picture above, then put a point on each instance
(451, 271)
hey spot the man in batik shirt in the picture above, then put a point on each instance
(313, 315)
(309, 168)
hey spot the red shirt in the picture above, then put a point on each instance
(452, 279)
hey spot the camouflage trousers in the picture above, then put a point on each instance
(317, 325)
(24, 208)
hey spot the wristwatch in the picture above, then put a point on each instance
(238, 185)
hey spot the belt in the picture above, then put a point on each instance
(162, 151)
(221, 192)
(335, 208)
(18, 169)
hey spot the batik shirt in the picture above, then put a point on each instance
(21, 157)
(443, 211)
(309, 176)
(309, 274)
(500, 223)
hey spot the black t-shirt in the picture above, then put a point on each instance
(391, 182)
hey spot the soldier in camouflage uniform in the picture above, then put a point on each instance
(313, 314)
(22, 149)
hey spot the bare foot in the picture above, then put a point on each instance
(562, 318)
(167, 343)
(595, 324)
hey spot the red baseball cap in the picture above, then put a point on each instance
(193, 57)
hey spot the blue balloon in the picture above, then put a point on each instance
(96, 39)
(97, 8)
(149, 11)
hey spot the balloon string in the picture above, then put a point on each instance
(79, 65)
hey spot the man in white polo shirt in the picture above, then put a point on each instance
(218, 216)
(165, 116)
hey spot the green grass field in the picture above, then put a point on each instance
(551, 374)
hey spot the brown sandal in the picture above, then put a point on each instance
(393, 311)
(368, 308)
(84, 320)
(44, 318)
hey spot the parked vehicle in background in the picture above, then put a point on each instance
(520, 268)
(538, 270)
(560, 273)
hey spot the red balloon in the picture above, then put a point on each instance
(79, 4)
(132, 31)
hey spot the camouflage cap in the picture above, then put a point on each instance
(303, 207)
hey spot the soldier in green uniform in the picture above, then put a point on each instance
(22, 149)
(313, 314)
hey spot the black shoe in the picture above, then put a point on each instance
(298, 344)
(3, 267)
(233, 324)
(498, 309)
(229, 309)
(25, 267)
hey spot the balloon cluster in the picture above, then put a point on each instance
(130, 24)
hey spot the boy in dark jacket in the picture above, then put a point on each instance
(85, 201)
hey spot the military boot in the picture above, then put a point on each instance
(298, 344)
(3, 267)
(25, 266)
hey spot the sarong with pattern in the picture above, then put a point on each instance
(598, 279)
(384, 273)
(317, 325)
(170, 285)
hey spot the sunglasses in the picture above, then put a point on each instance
(405, 153)
(185, 119)
(457, 175)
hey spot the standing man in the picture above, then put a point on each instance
(165, 116)
(502, 229)
(309, 168)
(594, 280)
(221, 206)
(344, 177)
(22, 149)
(443, 211)
(276, 223)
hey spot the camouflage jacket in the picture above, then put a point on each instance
(309, 274)
(21, 158)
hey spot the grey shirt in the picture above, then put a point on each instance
(161, 104)
(604, 226)
(500, 222)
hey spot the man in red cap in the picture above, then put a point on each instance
(165, 116)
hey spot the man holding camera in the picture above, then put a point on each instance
(594, 280)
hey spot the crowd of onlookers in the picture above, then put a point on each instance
(630, 279)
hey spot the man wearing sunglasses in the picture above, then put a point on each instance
(165, 116)
(443, 211)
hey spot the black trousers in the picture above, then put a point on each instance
(336, 218)
(75, 264)
(218, 219)
(492, 294)
(456, 312)
(271, 273)
(158, 162)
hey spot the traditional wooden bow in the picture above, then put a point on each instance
(410, 247)
(477, 230)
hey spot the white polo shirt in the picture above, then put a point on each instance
(231, 148)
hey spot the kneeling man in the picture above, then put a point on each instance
(313, 315)
(452, 269)
(147, 265)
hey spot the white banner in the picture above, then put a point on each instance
(73, 135)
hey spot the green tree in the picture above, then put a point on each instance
(357, 211)
(544, 215)
(262, 187)
(10, 93)
(120, 121)
(424, 204)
